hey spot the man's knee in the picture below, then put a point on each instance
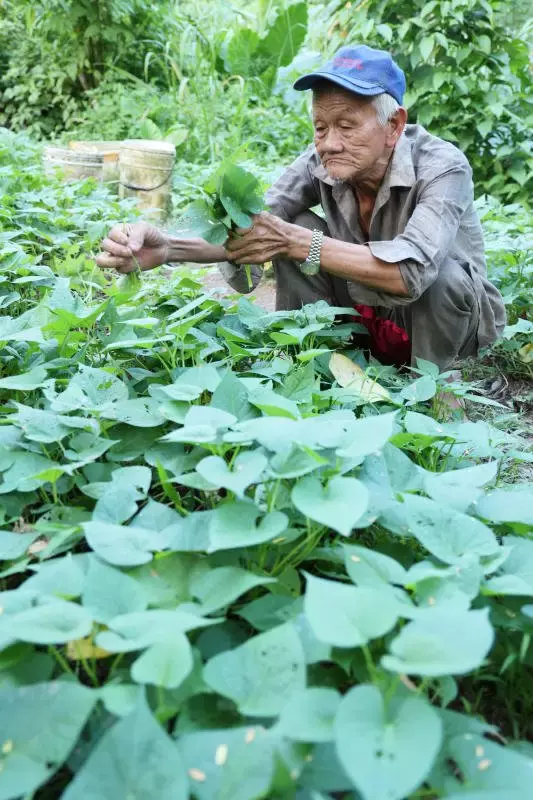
(443, 322)
(310, 220)
(453, 289)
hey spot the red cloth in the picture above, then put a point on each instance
(388, 342)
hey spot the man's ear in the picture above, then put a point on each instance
(396, 126)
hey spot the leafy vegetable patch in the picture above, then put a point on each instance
(238, 563)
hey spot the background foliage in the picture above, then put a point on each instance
(216, 77)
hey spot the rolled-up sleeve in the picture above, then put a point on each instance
(295, 190)
(429, 235)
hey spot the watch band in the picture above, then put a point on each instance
(311, 265)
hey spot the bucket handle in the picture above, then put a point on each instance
(143, 188)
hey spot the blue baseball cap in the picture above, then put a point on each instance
(361, 70)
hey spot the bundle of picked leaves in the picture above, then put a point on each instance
(232, 195)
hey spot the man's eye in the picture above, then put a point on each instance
(345, 127)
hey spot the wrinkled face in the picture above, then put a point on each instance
(348, 137)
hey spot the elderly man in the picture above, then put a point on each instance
(400, 241)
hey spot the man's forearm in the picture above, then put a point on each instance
(197, 251)
(353, 262)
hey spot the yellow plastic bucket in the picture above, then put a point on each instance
(73, 165)
(111, 153)
(145, 172)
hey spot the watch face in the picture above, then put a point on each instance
(310, 268)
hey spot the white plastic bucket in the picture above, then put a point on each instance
(73, 165)
(145, 172)
(111, 153)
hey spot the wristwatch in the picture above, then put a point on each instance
(311, 265)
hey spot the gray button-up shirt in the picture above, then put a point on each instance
(423, 215)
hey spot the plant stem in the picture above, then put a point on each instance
(61, 660)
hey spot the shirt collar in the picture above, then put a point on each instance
(320, 172)
(400, 171)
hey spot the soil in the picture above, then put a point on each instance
(264, 294)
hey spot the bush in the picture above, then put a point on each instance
(208, 116)
(508, 232)
(37, 83)
(56, 50)
(119, 107)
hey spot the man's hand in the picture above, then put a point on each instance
(128, 246)
(268, 237)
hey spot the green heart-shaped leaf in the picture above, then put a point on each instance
(386, 752)
(441, 642)
(245, 470)
(309, 715)
(218, 587)
(166, 663)
(52, 621)
(108, 592)
(236, 525)
(372, 568)
(261, 675)
(120, 545)
(337, 505)
(229, 763)
(136, 758)
(348, 616)
(449, 535)
(31, 753)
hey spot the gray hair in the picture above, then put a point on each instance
(385, 106)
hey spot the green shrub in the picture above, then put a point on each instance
(47, 220)
(119, 107)
(508, 232)
(54, 51)
(38, 91)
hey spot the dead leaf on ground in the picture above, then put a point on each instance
(351, 376)
(38, 546)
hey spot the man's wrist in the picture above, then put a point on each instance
(166, 249)
(197, 251)
(299, 243)
(175, 250)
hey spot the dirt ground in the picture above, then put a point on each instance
(264, 294)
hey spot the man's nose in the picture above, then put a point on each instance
(331, 142)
